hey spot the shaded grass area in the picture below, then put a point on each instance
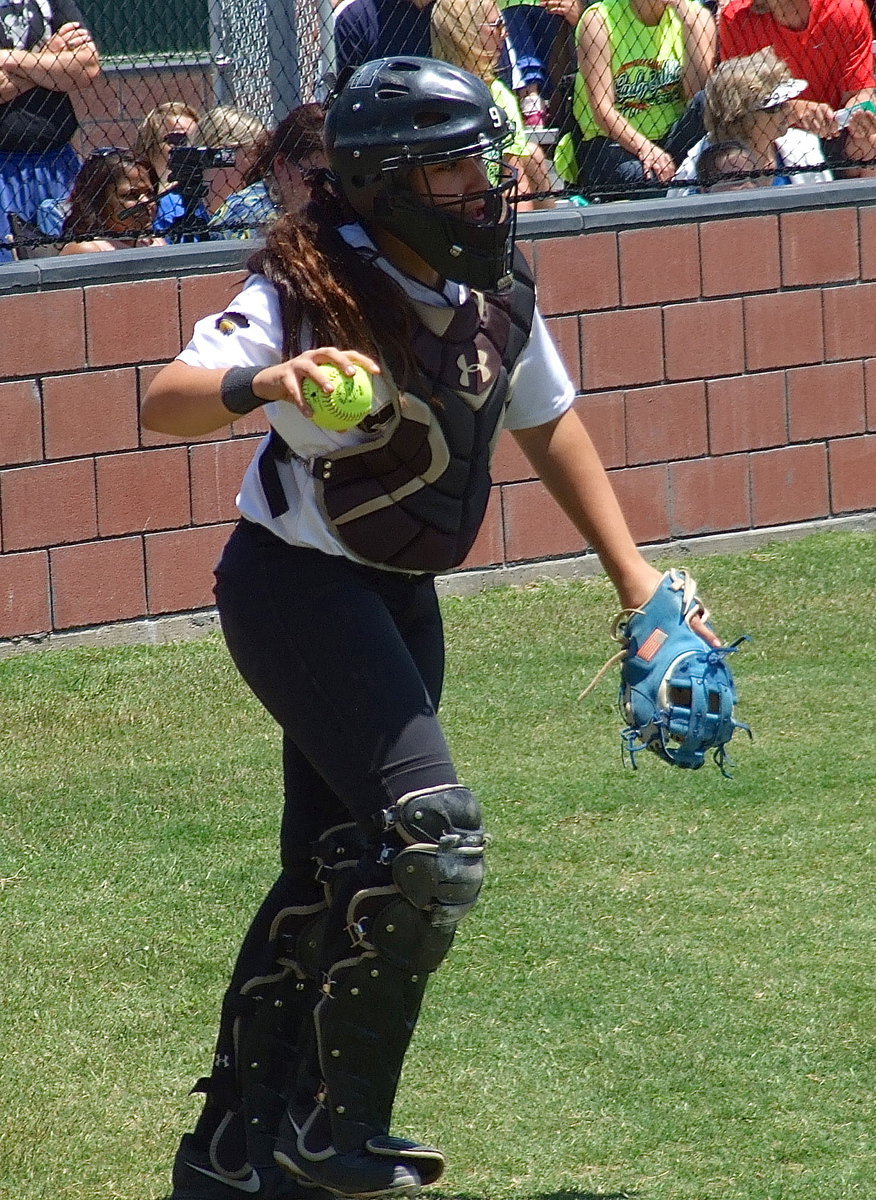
(666, 992)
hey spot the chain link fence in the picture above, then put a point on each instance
(611, 100)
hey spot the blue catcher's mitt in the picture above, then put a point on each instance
(677, 693)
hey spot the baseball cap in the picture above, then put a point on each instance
(786, 90)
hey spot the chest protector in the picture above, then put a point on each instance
(413, 497)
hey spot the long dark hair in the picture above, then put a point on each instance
(297, 136)
(347, 300)
(95, 184)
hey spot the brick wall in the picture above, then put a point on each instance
(725, 356)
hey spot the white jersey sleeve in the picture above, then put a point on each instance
(541, 389)
(247, 334)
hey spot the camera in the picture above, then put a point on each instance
(188, 160)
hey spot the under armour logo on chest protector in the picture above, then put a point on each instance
(481, 369)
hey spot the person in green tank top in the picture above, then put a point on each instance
(637, 104)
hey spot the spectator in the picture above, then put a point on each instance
(468, 34)
(728, 167)
(228, 128)
(827, 42)
(534, 29)
(366, 29)
(277, 179)
(113, 204)
(173, 123)
(641, 65)
(45, 53)
(749, 100)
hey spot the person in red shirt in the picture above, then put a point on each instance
(827, 42)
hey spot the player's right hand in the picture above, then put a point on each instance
(283, 382)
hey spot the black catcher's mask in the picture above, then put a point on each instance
(397, 114)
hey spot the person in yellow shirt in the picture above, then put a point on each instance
(637, 104)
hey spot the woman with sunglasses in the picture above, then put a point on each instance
(470, 34)
(112, 205)
(168, 126)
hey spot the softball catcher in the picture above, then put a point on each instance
(404, 264)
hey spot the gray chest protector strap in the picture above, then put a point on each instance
(386, 933)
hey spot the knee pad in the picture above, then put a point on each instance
(440, 869)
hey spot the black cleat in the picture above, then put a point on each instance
(197, 1177)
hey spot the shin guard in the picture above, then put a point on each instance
(389, 927)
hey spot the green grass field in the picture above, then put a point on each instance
(666, 992)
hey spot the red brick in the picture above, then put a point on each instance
(820, 246)
(132, 323)
(849, 328)
(142, 91)
(577, 274)
(510, 464)
(24, 594)
(21, 430)
(746, 412)
(47, 504)
(783, 329)
(789, 485)
(489, 546)
(179, 567)
(566, 336)
(825, 401)
(853, 473)
(644, 497)
(621, 349)
(740, 256)
(535, 525)
(603, 416)
(254, 422)
(867, 227)
(870, 391)
(143, 490)
(49, 332)
(98, 582)
(90, 413)
(217, 471)
(703, 339)
(202, 295)
(659, 264)
(709, 494)
(667, 422)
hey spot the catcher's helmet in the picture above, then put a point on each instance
(397, 114)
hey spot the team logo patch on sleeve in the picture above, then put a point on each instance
(652, 644)
(229, 321)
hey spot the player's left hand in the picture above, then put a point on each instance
(677, 692)
(641, 586)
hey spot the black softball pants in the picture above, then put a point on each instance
(349, 661)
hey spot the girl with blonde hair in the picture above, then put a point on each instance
(469, 34)
(173, 123)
